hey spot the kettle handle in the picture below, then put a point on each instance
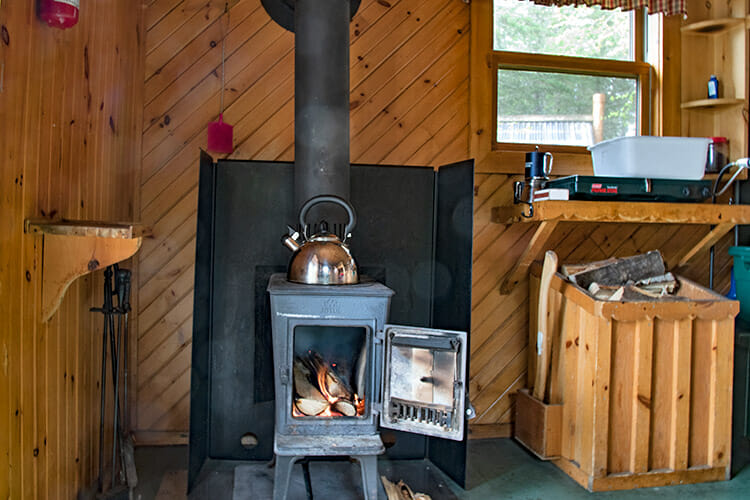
(330, 199)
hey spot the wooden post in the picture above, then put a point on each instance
(597, 111)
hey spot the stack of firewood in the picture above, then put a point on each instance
(401, 491)
(638, 278)
(320, 390)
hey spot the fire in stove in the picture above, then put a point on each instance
(322, 389)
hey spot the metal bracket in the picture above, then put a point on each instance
(531, 210)
(284, 376)
(470, 411)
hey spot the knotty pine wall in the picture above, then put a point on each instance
(70, 109)
(409, 105)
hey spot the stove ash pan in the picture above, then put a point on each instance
(340, 369)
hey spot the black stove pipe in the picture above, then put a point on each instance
(321, 105)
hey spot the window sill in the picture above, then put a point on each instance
(511, 160)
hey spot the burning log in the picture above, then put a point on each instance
(303, 385)
(321, 391)
(311, 407)
(345, 407)
(328, 380)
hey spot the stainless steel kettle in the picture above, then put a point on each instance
(323, 258)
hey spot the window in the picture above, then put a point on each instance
(568, 77)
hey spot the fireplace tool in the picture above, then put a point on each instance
(116, 339)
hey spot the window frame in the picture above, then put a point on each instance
(637, 68)
(658, 90)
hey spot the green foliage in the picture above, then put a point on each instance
(522, 26)
(572, 31)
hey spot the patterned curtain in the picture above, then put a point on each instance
(667, 7)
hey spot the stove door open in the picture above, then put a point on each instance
(424, 376)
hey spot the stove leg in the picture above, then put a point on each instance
(282, 475)
(369, 466)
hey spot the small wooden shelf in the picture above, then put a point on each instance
(550, 213)
(712, 26)
(74, 248)
(712, 103)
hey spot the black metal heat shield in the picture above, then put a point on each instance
(414, 235)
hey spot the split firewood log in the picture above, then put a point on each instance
(622, 271)
(601, 292)
(345, 407)
(311, 407)
(334, 384)
(662, 285)
(401, 491)
(303, 385)
(571, 269)
(361, 371)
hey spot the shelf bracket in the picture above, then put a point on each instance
(532, 252)
(71, 249)
(713, 237)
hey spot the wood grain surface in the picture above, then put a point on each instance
(71, 111)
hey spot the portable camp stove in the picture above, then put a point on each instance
(589, 187)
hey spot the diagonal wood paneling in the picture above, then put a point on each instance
(500, 322)
(409, 105)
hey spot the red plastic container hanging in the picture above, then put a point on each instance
(59, 13)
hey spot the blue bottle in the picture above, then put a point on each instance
(713, 87)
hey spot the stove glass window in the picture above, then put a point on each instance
(330, 371)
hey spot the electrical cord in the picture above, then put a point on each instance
(742, 164)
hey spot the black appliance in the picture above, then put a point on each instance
(414, 235)
(589, 187)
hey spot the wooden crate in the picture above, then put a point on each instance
(538, 425)
(646, 386)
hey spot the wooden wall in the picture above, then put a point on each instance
(499, 336)
(409, 105)
(70, 112)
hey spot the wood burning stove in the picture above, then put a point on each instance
(341, 370)
(413, 236)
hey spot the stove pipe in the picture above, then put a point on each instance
(321, 105)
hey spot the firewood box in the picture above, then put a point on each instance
(646, 387)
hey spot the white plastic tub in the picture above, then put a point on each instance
(651, 157)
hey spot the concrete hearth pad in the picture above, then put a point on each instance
(341, 480)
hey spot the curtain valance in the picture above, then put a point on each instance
(668, 7)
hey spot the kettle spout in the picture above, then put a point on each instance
(290, 240)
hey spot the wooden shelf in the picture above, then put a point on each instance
(712, 26)
(712, 103)
(74, 248)
(550, 213)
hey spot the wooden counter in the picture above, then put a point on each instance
(548, 214)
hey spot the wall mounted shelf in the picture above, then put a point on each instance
(71, 249)
(712, 103)
(712, 26)
(550, 213)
